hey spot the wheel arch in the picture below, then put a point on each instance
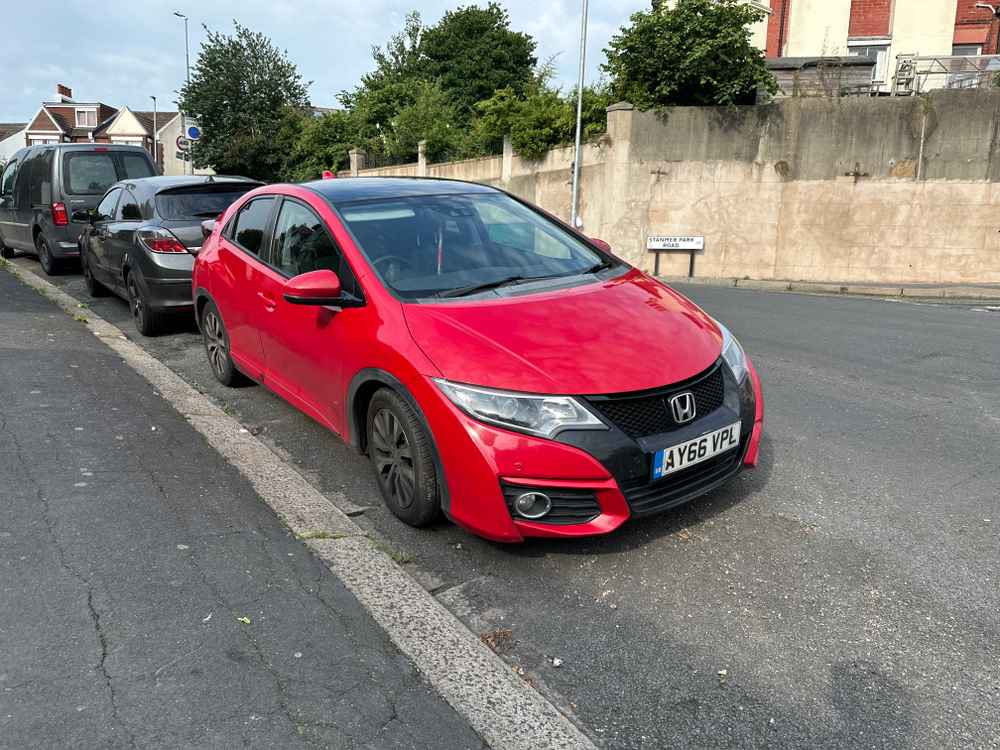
(363, 386)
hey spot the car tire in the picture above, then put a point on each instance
(5, 252)
(402, 455)
(94, 287)
(147, 322)
(50, 265)
(216, 340)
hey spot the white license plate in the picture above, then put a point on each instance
(683, 455)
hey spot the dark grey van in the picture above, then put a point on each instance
(42, 186)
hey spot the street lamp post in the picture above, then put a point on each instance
(574, 218)
(156, 150)
(187, 62)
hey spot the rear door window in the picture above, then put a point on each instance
(250, 226)
(128, 209)
(40, 179)
(197, 203)
(88, 173)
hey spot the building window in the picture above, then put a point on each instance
(967, 50)
(877, 51)
(86, 118)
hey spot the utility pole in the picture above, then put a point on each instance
(187, 62)
(574, 217)
(156, 150)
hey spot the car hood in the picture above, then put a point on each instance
(626, 334)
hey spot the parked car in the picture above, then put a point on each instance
(42, 186)
(141, 240)
(493, 362)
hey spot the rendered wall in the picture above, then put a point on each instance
(803, 189)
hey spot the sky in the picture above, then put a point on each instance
(122, 52)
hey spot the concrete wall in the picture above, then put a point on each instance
(803, 189)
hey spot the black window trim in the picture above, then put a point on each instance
(265, 244)
(15, 165)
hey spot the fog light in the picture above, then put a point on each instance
(532, 505)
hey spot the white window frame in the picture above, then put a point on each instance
(880, 73)
(86, 111)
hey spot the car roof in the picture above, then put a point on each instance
(354, 189)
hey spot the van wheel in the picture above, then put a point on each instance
(50, 265)
(5, 252)
(400, 449)
(147, 322)
(94, 287)
(216, 338)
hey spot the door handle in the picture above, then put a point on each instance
(269, 304)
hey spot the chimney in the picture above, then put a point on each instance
(64, 91)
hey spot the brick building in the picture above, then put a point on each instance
(880, 29)
(68, 121)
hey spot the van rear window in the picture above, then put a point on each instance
(89, 173)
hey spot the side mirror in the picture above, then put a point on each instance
(83, 216)
(313, 288)
(207, 227)
(601, 244)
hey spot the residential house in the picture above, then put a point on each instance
(881, 30)
(67, 121)
(11, 138)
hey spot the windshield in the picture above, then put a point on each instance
(454, 245)
(197, 204)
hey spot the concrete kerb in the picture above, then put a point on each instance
(957, 293)
(504, 710)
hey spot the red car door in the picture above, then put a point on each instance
(238, 284)
(304, 346)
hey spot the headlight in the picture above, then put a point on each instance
(537, 415)
(733, 353)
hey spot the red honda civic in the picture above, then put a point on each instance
(494, 364)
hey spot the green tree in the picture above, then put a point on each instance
(248, 99)
(472, 52)
(696, 53)
(323, 143)
(537, 122)
(432, 117)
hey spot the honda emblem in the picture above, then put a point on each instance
(683, 407)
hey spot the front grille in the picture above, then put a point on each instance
(568, 506)
(648, 413)
(645, 497)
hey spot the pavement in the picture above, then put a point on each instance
(149, 598)
(842, 595)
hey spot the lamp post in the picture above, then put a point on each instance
(156, 150)
(187, 63)
(574, 218)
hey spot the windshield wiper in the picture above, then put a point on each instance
(598, 267)
(462, 291)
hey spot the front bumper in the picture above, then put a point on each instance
(481, 461)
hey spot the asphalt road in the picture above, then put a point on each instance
(843, 595)
(130, 551)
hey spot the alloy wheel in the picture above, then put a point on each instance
(135, 301)
(393, 458)
(215, 343)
